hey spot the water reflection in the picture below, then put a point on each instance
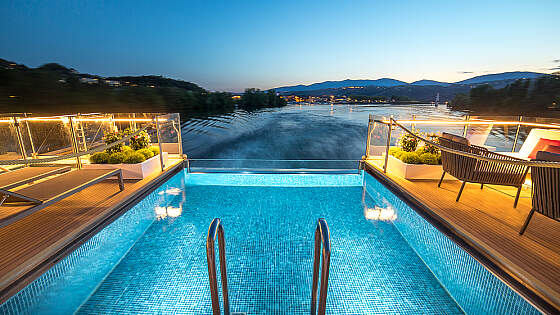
(304, 132)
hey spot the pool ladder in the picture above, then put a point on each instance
(322, 241)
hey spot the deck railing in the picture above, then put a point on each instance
(29, 139)
(381, 134)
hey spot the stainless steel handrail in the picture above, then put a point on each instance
(322, 236)
(216, 228)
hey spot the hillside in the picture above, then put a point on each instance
(501, 76)
(497, 79)
(53, 88)
(340, 84)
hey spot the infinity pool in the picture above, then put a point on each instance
(385, 258)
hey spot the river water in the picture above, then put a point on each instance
(294, 132)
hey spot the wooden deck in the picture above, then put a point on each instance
(33, 243)
(487, 221)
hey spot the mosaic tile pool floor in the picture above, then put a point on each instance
(269, 240)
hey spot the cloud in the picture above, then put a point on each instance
(464, 72)
(556, 60)
(555, 68)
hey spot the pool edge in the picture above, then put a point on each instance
(481, 255)
(114, 212)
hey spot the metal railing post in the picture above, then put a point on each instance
(390, 126)
(467, 118)
(179, 137)
(322, 237)
(158, 133)
(516, 134)
(19, 136)
(74, 141)
(216, 227)
(369, 130)
(33, 152)
(82, 134)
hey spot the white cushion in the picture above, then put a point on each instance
(533, 138)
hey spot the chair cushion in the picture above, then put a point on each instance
(455, 138)
(547, 156)
(540, 146)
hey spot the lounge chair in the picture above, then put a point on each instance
(532, 140)
(546, 189)
(26, 175)
(472, 170)
(51, 190)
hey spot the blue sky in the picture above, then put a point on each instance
(264, 44)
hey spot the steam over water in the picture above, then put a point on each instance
(295, 132)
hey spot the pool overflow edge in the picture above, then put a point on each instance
(464, 243)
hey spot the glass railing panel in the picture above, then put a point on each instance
(90, 130)
(47, 136)
(170, 133)
(9, 147)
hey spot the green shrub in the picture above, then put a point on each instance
(140, 141)
(420, 151)
(408, 143)
(113, 137)
(428, 158)
(133, 158)
(154, 149)
(126, 148)
(428, 148)
(439, 158)
(393, 150)
(99, 158)
(147, 153)
(116, 158)
(410, 158)
(398, 154)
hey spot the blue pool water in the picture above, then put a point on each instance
(153, 258)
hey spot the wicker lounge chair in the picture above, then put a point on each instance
(59, 187)
(26, 175)
(472, 170)
(546, 189)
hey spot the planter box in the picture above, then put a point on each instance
(134, 171)
(413, 171)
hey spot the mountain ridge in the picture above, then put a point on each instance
(388, 82)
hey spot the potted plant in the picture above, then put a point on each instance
(414, 159)
(137, 160)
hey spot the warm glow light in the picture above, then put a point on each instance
(161, 212)
(380, 214)
(174, 191)
(471, 122)
(91, 119)
(164, 212)
(174, 211)
(528, 182)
